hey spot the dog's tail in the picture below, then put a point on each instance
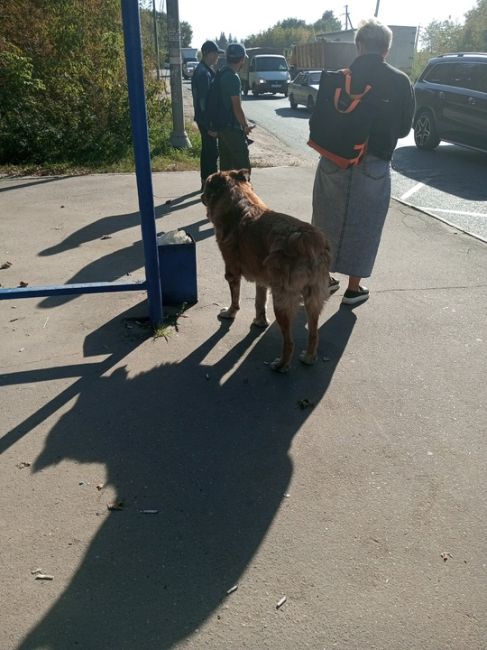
(310, 244)
(300, 258)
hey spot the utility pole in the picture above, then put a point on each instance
(377, 9)
(348, 20)
(156, 39)
(179, 137)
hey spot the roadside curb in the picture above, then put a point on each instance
(445, 221)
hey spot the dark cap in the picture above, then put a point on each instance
(210, 46)
(235, 52)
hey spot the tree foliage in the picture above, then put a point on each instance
(186, 32)
(222, 41)
(327, 23)
(63, 90)
(293, 30)
(441, 36)
(474, 35)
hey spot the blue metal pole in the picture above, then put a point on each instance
(140, 135)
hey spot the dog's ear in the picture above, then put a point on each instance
(215, 184)
(242, 175)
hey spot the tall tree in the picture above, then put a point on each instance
(327, 23)
(293, 30)
(292, 23)
(186, 34)
(222, 41)
(441, 36)
(474, 35)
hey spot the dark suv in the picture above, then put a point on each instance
(451, 101)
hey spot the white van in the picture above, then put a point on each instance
(264, 73)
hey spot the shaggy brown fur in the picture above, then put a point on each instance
(273, 250)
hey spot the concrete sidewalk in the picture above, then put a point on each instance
(367, 511)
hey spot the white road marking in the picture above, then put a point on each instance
(413, 190)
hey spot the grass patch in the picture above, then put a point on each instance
(170, 323)
(170, 161)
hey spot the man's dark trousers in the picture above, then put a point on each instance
(209, 154)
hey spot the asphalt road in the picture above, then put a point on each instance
(449, 183)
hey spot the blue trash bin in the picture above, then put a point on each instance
(177, 267)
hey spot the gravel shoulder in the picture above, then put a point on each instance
(266, 151)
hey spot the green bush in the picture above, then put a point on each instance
(63, 89)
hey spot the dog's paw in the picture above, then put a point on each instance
(308, 360)
(228, 314)
(278, 366)
(260, 321)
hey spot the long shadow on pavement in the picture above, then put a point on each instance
(122, 262)
(206, 445)
(117, 222)
(22, 185)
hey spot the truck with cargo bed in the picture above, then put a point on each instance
(336, 50)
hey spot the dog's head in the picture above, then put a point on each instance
(220, 184)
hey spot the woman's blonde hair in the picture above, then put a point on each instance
(373, 36)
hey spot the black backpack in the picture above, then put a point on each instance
(217, 116)
(341, 122)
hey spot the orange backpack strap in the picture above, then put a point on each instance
(348, 86)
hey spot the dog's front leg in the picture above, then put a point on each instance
(260, 319)
(233, 279)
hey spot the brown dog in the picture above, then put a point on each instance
(273, 250)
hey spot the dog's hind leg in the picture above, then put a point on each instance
(313, 303)
(233, 279)
(260, 319)
(285, 307)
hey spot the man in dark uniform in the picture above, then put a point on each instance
(234, 150)
(200, 84)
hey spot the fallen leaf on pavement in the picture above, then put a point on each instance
(304, 403)
(116, 505)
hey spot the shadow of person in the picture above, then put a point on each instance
(109, 225)
(119, 264)
(299, 112)
(207, 445)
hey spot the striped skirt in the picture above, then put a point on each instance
(350, 207)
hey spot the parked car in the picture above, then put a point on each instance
(451, 102)
(303, 89)
(188, 68)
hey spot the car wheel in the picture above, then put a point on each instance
(425, 134)
(255, 92)
(292, 102)
(310, 104)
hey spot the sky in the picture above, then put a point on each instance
(209, 18)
